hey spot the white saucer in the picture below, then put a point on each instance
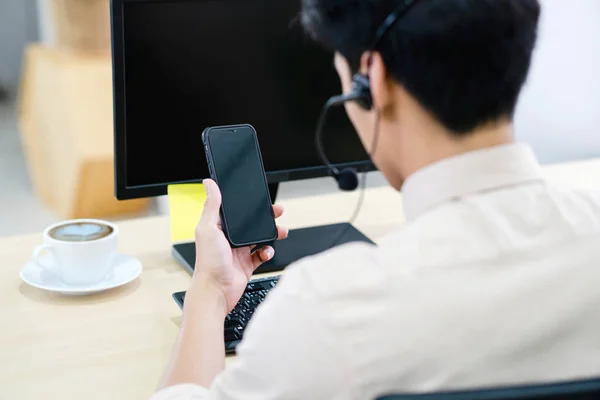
(125, 270)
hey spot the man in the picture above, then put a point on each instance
(494, 278)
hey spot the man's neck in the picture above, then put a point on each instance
(487, 136)
(437, 145)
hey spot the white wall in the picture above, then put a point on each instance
(17, 27)
(559, 113)
(45, 21)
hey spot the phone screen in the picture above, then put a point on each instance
(239, 172)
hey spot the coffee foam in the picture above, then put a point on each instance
(80, 232)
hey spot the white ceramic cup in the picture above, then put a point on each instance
(84, 261)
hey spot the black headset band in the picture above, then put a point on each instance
(390, 20)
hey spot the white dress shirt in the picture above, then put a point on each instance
(494, 279)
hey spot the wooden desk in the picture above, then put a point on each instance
(116, 345)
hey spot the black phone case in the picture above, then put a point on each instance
(213, 176)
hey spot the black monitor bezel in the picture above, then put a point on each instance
(124, 192)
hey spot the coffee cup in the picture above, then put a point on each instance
(80, 251)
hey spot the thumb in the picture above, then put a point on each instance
(210, 213)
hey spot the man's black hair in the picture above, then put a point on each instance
(465, 61)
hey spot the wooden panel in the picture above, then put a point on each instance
(82, 25)
(95, 198)
(66, 119)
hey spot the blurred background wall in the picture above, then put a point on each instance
(45, 28)
(18, 26)
(559, 113)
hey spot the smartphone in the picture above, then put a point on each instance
(235, 163)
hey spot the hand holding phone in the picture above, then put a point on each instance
(220, 269)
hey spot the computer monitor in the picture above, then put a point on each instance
(183, 65)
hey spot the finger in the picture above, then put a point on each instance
(262, 256)
(282, 232)
(210, 213)
(253, 247)
(278, 210)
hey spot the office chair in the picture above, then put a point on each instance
(575, 390)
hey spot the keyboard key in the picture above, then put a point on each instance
(231, 324)
(255, 298)
(230, 346)
(233, 333)
(252, 286)
(230, 335)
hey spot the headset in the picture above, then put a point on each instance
(360, 93)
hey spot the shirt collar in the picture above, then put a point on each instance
(467, 174)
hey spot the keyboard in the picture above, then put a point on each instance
(237, 320)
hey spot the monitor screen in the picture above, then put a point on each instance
(190, 64)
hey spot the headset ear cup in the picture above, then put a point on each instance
(361, 89)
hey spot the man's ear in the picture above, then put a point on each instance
(343, 70)
(372, 65)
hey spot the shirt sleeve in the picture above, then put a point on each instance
(289, 349)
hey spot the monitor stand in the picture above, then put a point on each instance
(299, 244)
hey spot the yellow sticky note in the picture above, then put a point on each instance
(185, 208)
